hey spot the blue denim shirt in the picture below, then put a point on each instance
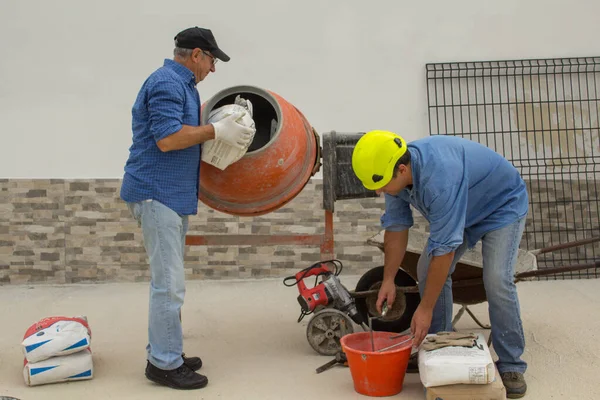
(167, 100)
(462, 188)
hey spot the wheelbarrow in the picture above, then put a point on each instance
(328, 324)
(467, 281)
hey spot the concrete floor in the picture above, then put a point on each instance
(253, 348)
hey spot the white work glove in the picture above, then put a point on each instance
(230, 131)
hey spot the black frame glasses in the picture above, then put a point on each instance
(213, 58)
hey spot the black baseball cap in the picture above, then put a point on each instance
(201, 38)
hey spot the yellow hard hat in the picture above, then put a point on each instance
(375, 156)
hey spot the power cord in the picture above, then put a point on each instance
(337, 269)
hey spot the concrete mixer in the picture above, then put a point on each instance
(285, 153)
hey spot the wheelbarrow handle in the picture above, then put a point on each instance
(478, 281)
(557, 270)
(399, 289)
(565, 245)
(415, 289)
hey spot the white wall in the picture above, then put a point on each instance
(70, 69)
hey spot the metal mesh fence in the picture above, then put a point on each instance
(544, 116)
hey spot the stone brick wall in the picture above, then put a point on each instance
(68, 231)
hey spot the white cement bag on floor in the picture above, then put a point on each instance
(55, 336)
(74, 367)
(219, 153)
(452, 365)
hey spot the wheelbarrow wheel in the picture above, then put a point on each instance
(404, 307)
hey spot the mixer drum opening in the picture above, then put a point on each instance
(266, 112)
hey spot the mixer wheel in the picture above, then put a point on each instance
(326, 328)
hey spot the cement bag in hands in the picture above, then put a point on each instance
(73, 367)
(55, 336)
(457, 364)
(219, 153)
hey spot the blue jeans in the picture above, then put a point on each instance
(499, 253)
(164, 239)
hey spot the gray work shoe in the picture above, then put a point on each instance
(515, 385)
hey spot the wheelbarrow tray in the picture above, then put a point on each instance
(469, 269)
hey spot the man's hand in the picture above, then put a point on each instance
(232, 132)
(387, 291)
(421, 321)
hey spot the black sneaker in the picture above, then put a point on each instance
(180, 378)
(515, 385)
(194, 363)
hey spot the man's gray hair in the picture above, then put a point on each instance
(182, 53)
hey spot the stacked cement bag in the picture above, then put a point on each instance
(57, 349)
(449, 358)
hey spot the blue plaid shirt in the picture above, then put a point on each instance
(167, 101)
(462, 188)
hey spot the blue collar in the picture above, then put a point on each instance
(181, 70)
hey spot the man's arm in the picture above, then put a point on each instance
(447, 223)
(165, 107)
(187, 136)
(436, 278)
(394, 246)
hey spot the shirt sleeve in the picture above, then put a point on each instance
(447, 220)
(397, 216)
(165, 107)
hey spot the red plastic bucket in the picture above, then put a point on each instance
(377, 373)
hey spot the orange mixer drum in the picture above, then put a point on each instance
(284, 154)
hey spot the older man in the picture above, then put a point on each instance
(160, 187)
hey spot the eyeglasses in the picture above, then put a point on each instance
(213, 58)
